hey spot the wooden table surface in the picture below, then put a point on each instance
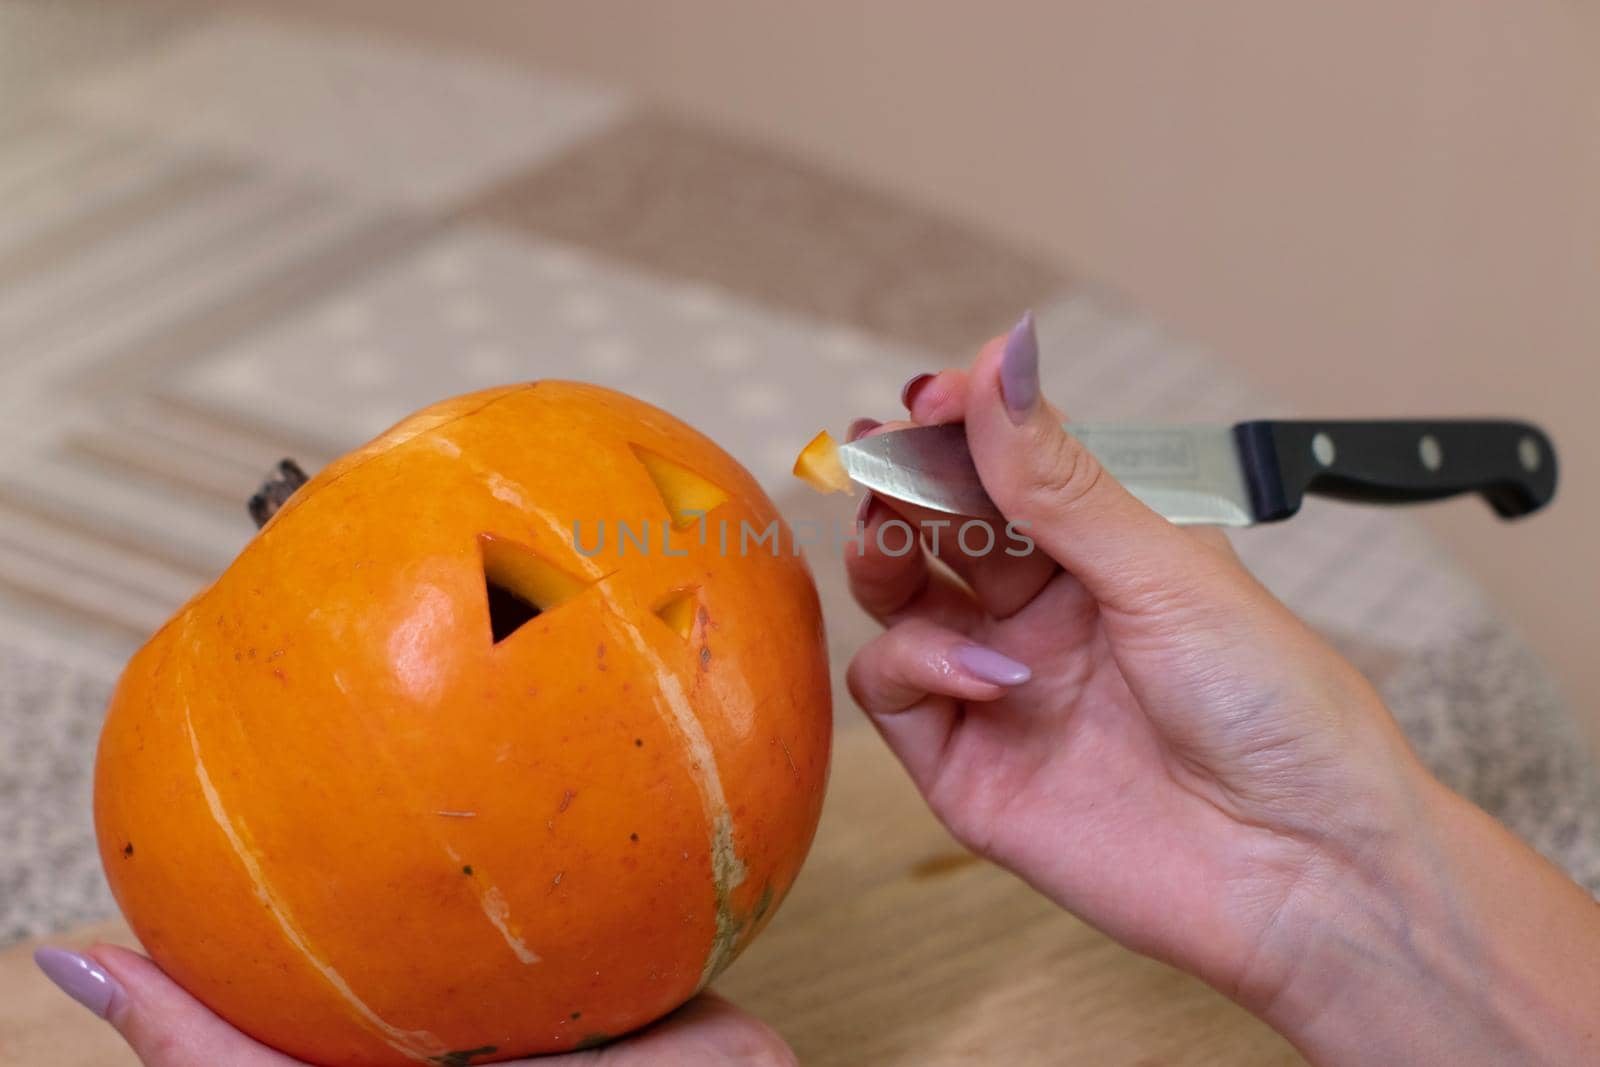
(895, 947)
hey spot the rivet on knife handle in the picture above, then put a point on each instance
(1511, 464)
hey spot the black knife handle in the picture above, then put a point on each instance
(1512, 464)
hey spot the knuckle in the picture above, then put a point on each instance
(880, 592)
(1063, 473)
(863, 678)
(876, 596)
(865, 594)
(960, 807)
(856, 683)
(878, 676)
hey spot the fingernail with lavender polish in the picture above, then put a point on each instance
(859, 427)
(987, 665)
(78, 977)
(908, 391)
(1019, 369)
(864, 510)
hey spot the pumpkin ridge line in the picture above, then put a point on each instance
(414, 1044)
(727, 869)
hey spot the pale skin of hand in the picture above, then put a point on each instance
(1194, 771)
(166, 1027)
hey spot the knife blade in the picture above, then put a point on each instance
(1239, 475)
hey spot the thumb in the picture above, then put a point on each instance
(165, 1026)
(1057, 493)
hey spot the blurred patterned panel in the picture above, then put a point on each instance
(475, 308)
(113, 277)
(676, 199)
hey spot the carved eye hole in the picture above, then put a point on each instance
(678, 611)
(521, 585)
(686, 494)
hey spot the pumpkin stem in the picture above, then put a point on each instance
(278, 487)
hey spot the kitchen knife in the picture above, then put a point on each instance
(1244, 474)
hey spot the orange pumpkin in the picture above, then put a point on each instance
(420, 779)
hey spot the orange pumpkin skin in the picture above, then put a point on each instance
(348, 821)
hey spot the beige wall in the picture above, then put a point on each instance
(1377, 206)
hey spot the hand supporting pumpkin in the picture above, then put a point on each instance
(1130, 722)
(167, 1027)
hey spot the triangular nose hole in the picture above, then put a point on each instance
(520, 585)
(678, 611)
(686, 494)
(507, 611)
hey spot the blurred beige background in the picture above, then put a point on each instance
(1382, 206)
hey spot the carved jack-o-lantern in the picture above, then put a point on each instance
(419, 779)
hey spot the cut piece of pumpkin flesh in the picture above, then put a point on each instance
(819, 467)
